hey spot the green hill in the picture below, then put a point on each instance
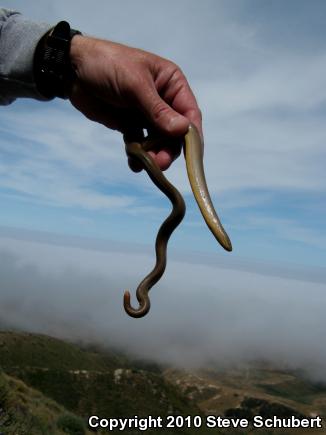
(87, 382)
(21, 349)
(50, 386)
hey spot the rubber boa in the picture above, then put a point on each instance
(193, 151)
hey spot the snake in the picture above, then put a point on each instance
(193, 148)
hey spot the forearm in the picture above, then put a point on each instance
(18, 40)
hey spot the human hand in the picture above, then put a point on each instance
(128, 89)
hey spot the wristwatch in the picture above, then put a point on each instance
(53, 72)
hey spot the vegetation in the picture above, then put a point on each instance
(51, 387)
(299, 390)
(252, 406)
(25, 411)
(19, 349)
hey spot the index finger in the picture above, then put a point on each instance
(182, 99)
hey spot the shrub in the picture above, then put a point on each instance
(71, 424)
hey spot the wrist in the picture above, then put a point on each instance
(82, 50)
(77, 49)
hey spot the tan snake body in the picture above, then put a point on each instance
(193, 150)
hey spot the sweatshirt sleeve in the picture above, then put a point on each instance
(18, 40)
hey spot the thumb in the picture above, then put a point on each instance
(161, 115)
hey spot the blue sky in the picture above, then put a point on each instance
(258, 70)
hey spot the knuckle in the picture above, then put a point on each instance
(159, 109)
(175, 72)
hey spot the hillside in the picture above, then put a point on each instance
(87, 382)
(257, 389)
(21, 349)
(25, 411)
(49, 386)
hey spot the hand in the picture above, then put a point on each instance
(128, 89)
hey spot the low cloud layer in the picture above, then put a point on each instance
(201, 313)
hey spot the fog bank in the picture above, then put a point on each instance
(201, 313)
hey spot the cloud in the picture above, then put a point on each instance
(265, 131)
(200, 312)
(288, 229)
(61, 166)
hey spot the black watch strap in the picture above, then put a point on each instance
(53, 71)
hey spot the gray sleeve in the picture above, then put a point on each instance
(18, 40)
